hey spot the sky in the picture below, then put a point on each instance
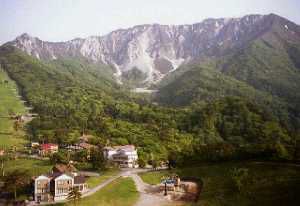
(61, 20)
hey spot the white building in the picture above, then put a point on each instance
(42, 189)
(57, 186)
(63, 185)
(124, 156)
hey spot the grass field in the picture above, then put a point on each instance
(94, 181)
(121, 192)
(273, 184)
(35, 167)
(9, 102)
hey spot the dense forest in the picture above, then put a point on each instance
(73, 97)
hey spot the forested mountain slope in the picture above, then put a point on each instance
(266, 67)
(68, 105)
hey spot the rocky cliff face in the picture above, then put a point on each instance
(158, 49)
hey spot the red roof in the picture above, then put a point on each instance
(48, 146)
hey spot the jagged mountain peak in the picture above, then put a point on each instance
(156, 49)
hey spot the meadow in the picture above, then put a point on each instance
(9, 103)
(33, 166)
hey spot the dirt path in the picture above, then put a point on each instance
(146, 198)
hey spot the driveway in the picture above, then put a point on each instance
(146, 197)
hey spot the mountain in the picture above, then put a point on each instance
(238, 82)
(256, 56)
(156, 50)
(265, 66)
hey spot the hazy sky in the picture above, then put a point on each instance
(60, 20)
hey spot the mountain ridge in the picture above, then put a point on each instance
(154, 49)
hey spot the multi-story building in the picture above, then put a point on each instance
(42, 189)
(57, 185)
(124, 156)
(62, 186)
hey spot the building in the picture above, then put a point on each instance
(47, 149)
(124, 156)
(82, 146)
(42, 189)
(62, 186)
(80, 183)
(57, 185)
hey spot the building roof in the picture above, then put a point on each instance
(42, 177)
(62, 168)
(63, 176)
(79, 179)
(48, 146)
(86, 145)
(127, 148)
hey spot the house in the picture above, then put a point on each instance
(82, 146)
(124, 156)
(47, 149)
(57, 185)
(42, 189)
(80, 183)
(108, 152)
(62, 186)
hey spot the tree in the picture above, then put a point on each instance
(154, 164)
(97, 159)
(74, 195)
(141, 163)
(16, 179)
(3, 158)
(59, 157)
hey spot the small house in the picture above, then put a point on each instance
(47, 149)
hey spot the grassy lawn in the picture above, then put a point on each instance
(94, 181)
(9, 102)
(121, 192)
(153, 178)
(35, 167)
(273, 184)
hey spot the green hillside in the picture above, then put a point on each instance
(265, 71)
(68, 104)
(10, 103)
